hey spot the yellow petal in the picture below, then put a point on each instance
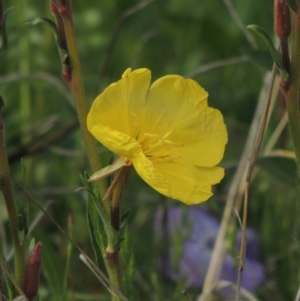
(116, 141)
(144, 168)
(119, 106)
(188, 183)
(203, 139)
(171, 101)
(179, 106)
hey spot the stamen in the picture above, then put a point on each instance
(160, 141)
(162, 158)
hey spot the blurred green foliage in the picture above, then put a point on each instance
(172, 36)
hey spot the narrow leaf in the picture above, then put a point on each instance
(46, 21)
(124, 219)
(267, 39)
(260, 57)
(97, 234)
(114, 238)
(62, 52)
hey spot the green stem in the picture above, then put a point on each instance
(284, 45)
(115, 202)
(113, 269)
(243, 242)
(6, 189)
(292, 93)
(77, 89)
(112, 256)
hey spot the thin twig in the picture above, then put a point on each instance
(6, 269)
(45, 76)
(217, 64)
(240, 23)
(225, 284)
(102, 277)
(262, 127)
(139, 47)
(279, 153)
(32, 226)
(254, 155)
(276, 134)
(37, 146)
(236, 189)
(184, 293)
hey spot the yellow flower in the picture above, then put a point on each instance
(166, 131)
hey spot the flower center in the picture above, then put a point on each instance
(158, 147)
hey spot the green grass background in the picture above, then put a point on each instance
(168, 37)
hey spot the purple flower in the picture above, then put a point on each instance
(190, 234)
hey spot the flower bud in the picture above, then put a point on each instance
(63, 8)
(32, 272)
(53, 8)
(282, 22)
(66, 74)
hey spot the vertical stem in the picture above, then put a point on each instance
(115, 206)
(77, 89)
(243, 242)
(74, 80)
(113, 269)
(112, 256)
(284, 43)
(292, 93)
(6, 189)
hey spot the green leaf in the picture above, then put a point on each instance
(260, 57)
(95, 206)
(128, 269)
(63, 53)
(22, 224)
(274, 52)
(114, 238)
(282, 168)
(97, 236)
(124, 219)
